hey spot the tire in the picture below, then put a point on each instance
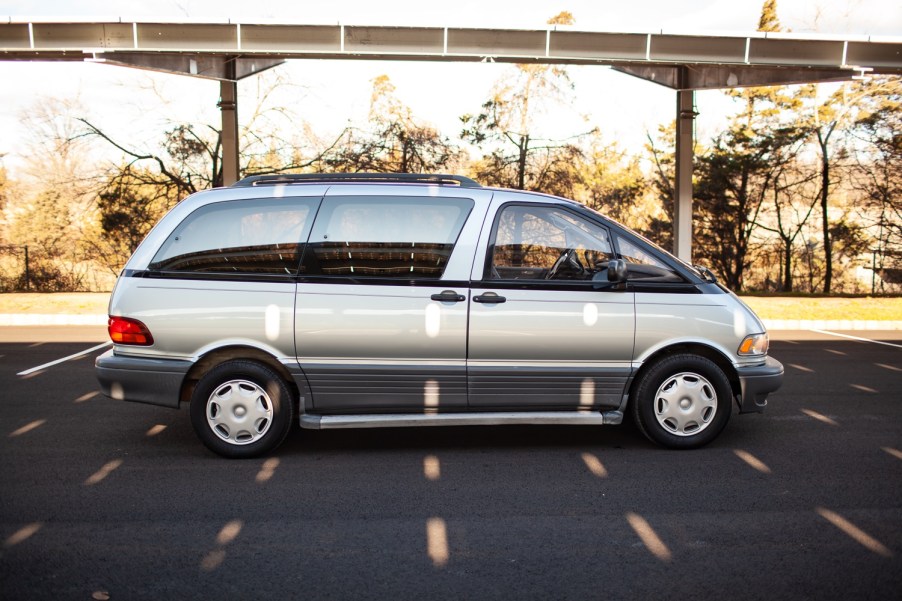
(682, 402)
(242, 409)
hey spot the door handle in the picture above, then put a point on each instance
(448, 296)
(489, 298)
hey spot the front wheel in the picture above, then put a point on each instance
(682, 402)
(241, 409)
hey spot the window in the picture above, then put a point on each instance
(642, 265)
(242, 236)
(385, 237)
(547, 243)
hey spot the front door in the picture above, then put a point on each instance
(543, 332)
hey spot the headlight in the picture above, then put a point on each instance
(754, 344)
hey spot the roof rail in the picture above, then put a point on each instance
(308, 178)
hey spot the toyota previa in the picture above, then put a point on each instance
(364, 300)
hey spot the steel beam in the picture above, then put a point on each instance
(715, 77)
(219, 67)
(803, 54)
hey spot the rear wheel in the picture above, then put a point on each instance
(241, 409)
(682, 401)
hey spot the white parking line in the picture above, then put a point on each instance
(801, 367)
(64, 359)
(857, 338)
(437, 542)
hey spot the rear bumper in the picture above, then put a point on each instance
(141, 380)
(756, 383)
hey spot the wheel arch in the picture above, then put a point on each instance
(245, 353)
(691, 348)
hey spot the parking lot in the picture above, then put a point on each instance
(109, 500)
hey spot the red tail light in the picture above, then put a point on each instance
(129, 331)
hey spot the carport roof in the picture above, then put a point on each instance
(230, 51)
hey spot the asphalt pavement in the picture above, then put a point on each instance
(102, 499)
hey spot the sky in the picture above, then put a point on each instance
(330, 94)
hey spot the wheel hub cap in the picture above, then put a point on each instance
(685, 404)
(239, 412)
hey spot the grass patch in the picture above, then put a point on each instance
(826, 307)
(76, 303)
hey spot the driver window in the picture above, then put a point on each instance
(547, 243)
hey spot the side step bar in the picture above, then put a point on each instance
(400, 420)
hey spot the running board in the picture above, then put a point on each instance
(400, 420)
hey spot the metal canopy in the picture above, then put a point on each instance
(229, 52)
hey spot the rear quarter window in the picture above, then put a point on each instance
(242, 236)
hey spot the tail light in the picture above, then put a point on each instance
(129, 331)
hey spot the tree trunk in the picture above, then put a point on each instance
(825, 219)
(787, 265)
(825, 223)
(521, 163)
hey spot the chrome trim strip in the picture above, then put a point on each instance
(327, 422)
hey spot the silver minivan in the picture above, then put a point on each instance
(373, 300)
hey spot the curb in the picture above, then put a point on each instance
(51, 319)
(831, 324)
(63, 319)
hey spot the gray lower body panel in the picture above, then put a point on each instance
(558, 387)
(153, 381)
(353, 388)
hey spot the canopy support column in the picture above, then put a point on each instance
(228, 104)
(682, 189)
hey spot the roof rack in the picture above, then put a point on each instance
(307, 178)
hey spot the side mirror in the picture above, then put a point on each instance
(617, 270)
(616, 274)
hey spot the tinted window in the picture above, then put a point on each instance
(547, 243)
(242, 236)
(385, 237)
(642, 265)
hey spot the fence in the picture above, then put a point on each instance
(25, 268)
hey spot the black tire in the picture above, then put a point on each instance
(242, 409)
(701, 396)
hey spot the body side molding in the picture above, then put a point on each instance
(493, 418)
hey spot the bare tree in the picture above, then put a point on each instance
(737, 175)
(49, 207)
(516, 155)
(789, 212)
(877, 173)
(611, 181)
(394, 142)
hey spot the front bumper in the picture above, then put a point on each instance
(141, 379)
(756, 383)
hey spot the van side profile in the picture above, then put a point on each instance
(373, 300)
